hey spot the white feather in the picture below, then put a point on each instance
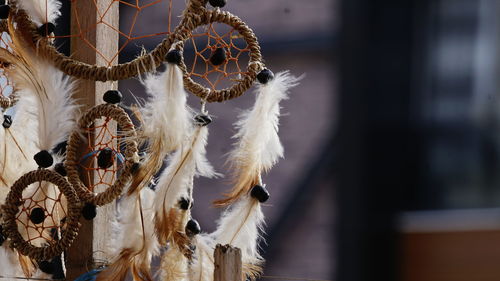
(202, 268)
(166, 116)
(240, 226)
(10, 263)
(41, 11)
(258, 128)
(174, 266)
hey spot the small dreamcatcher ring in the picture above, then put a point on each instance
(254, 65)
(127, 130)
(11, 208)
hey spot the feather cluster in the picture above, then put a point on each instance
(258, 147)
(41, 11)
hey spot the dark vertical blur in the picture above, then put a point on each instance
(379, 145)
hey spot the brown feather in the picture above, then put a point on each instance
(118, 270)
(251, 271)
(243, 184)
(26, 265)
(147, 169)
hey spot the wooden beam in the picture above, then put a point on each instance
(227, 263)
(90, 245)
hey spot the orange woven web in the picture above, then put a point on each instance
(203, 45)
(46, 196)
(141, 22)
(100, 137)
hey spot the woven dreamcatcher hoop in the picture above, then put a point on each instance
(14, 206)
(195, 15)
(128, 156)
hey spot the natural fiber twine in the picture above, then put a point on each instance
(74, 145)
(12, 207)
(194, 15)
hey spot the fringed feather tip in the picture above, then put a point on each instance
(258, 147)
(41, 11)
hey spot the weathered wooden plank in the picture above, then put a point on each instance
(227, 263)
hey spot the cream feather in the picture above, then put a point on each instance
(41, 11)
(258, 147)
(202, 267)
(185, 163)
(241, 226)
(9, 260)
(174, 266)
(166, 119)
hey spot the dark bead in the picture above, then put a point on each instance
(217, 3)
(89, 211)
(174, 56)
(46, 267)
(265, 76)
(202, 120)
(260, 193)
(113, 96)
(184, 203)
(46, 29)
(60, 169)
(2, 237)
(218, 56)
(192, 227)
(37, 215)
(44, 159)
(4, 11)
(105, 158)
(135, 168)
(7, 121)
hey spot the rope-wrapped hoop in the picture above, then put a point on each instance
(13, 205)
(130, 153)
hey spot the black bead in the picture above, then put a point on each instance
(37, 215)
(218, 56)
(260, 193)
(46, 267)
(44, 159)
(217, 3)
(60, 169)
(89, 211)
(105, 158)
(135, 168)
(192, 227)
(7, 121)
(46, 29)
(174, 56)
(2, 237)
(202, 120)
(184, 203)
(4, 11)
(113, 96)
(265, 76)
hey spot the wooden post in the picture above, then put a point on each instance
(90, 245)
(227, 263)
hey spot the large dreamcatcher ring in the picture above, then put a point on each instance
(41, 218)
(112, 157)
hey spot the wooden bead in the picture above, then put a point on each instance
(112, 96)
(105, 158)
(37, 215)
(4, 11)
(46, 29)
(44, 159)
(265, 76)
(217, 3)
(202, 120)
(184, 203)
(47, 267)
(260, 193)
(174, 57)
(192, 227)
(89, 211)
(7, 121)
(218, 56)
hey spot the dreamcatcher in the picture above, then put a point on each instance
(90, 159)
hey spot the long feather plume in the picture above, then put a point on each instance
(258, 147)
(165, 121)
(202, 267)
(137, 243)
(41, 11)
(185, 163)
(11, 265)
(37, 77)
(240, 226)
